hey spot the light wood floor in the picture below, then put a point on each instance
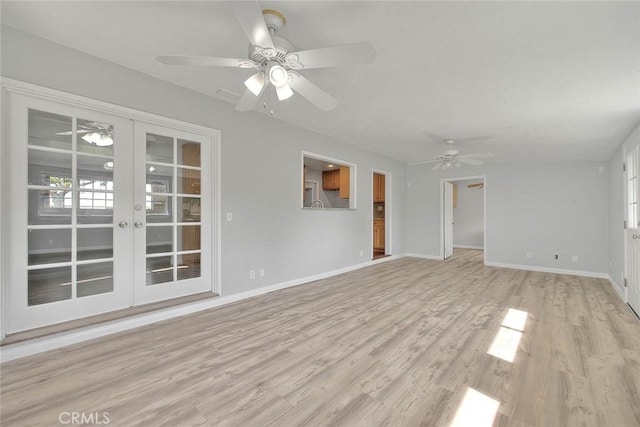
(395, 344)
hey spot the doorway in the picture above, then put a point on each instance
(381, 213)
(463, 214)
(106, 212)
(632, 215)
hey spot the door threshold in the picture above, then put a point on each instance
(102, 318)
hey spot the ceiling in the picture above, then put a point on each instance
(528, 81)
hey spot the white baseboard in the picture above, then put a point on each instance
(619, 289)
(52, 342)
(467, 247)
(548, 270)
(436, 257)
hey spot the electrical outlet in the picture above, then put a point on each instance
(574, 258)
(252, 274)
(556, 256)
(529, 255)
(262, 272)
(361, 252)
(229, 216)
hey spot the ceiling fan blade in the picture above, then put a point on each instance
(474, 162)
(206, 61)
(313, 93)
(476, 155)
(425, 161)
(79, 131)
(249, 16)
(247, 102)
(348, 54)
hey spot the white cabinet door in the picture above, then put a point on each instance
(68, 212)
(172, 213)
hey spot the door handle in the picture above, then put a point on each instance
(123, 224)
(635, 236)
(138, 224)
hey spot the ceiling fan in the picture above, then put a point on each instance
(276, 60)
(453, 158)
(96, 133)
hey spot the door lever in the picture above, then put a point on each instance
(138, 224)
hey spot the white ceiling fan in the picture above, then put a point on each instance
(276, 60)
(453, 158)
(96, 133)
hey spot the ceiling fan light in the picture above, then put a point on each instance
(98, 139)
(255, 83)
(278, 76)
(284, 92)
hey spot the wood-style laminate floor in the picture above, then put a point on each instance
(400, 343)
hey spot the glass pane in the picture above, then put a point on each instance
(188, 153)
(188, 237)
(48, 285)
(159, 179)
(95, 279)
(189, 181)
(159, 206)
(50, 169)
(159, 270)
(50, 207)
(159, 239)
(49, 130)
(188, 266)
(95, 137)
(49, 246)
(94, 173)
(159, 148)
(189, 210)
(95, 243)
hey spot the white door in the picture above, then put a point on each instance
(632, 232)
(448, 219)
(172, 213)
(68, 191)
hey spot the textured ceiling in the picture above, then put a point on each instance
(528, 81)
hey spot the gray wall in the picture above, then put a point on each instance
(546, 208)
(468, 216)
(261, 167)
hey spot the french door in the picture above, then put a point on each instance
(103, 213)
(172, 215)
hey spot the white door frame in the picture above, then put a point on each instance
(388, 211)
(484, 201)
(15, 86)
(630, 144)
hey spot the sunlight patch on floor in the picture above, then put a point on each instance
(475, 410)
(506, 342)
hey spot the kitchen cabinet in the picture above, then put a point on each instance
(378, 235)
(345, 182)
(338, 179)
(378, 187)
(331, 180)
